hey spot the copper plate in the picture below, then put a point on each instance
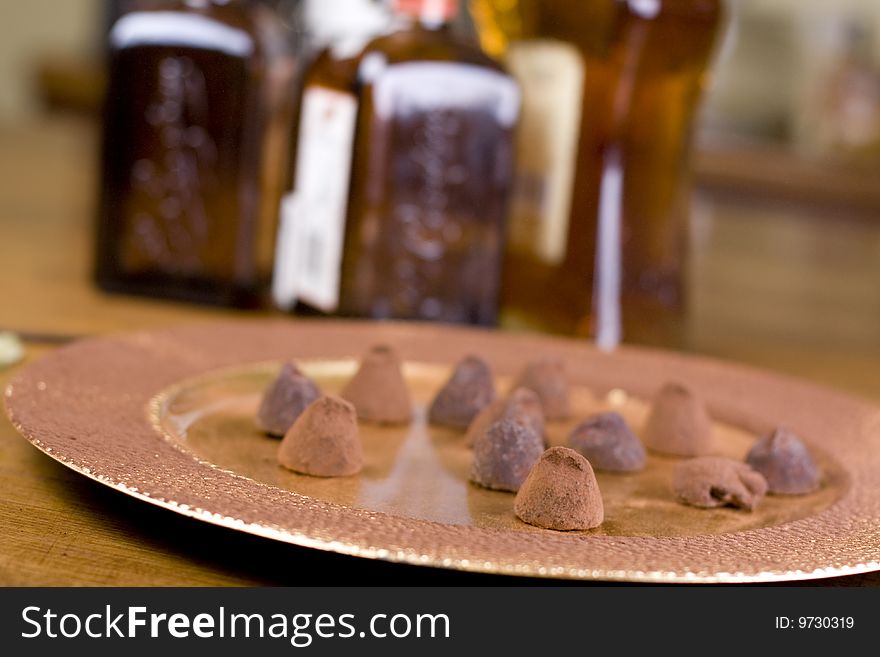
(167, 416)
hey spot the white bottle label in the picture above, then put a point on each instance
(312, 231)
(551, 74)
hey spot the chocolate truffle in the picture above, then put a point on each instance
(561, 492)
(324, 441)
(785, 462)
(522, 404)
(469, 390)
(678, 424)
(285, 399)
(607, 442)
(504, 455)
(547, 379)
(712, 481)
(378, 390)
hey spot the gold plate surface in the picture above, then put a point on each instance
(167, 416)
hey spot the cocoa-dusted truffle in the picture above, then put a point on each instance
(324, 441)
(712, 481)
(468, 391)
(547, 379)
(678, 424)
(608, 443)
(785, 462)
(378, 390)
(504, 455)
(561, 492)
(522, 405)
(285, 399)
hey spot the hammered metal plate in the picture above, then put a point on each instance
(167, 417)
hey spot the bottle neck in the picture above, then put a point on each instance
(429, 14)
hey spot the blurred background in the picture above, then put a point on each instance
(799, 74)
(784, 270)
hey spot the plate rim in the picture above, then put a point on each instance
(25, 385)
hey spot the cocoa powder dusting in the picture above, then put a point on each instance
(504, 455)
(469, 390)
(678, 423)
(378, 389)
(712, 481)
(324, 441)
(785, 462)
(561, 492)
(608, 443)
(546, 377)
(522, 405)
(285, 399)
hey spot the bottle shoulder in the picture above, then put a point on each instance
(421, 45)
(435, 75)
(348, 74)
(241, 30)
(327, 70)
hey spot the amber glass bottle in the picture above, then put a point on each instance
(194, 152)
(599, 228)
(431, 172)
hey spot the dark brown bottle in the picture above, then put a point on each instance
(313, 211)
(610, 262)
(195, 130)
(431, 171)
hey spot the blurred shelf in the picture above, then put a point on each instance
(776, 173)
(70, 83)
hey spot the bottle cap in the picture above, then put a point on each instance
(432, 11)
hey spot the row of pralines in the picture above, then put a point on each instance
(555, 488)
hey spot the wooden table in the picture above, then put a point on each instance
(773, 285)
